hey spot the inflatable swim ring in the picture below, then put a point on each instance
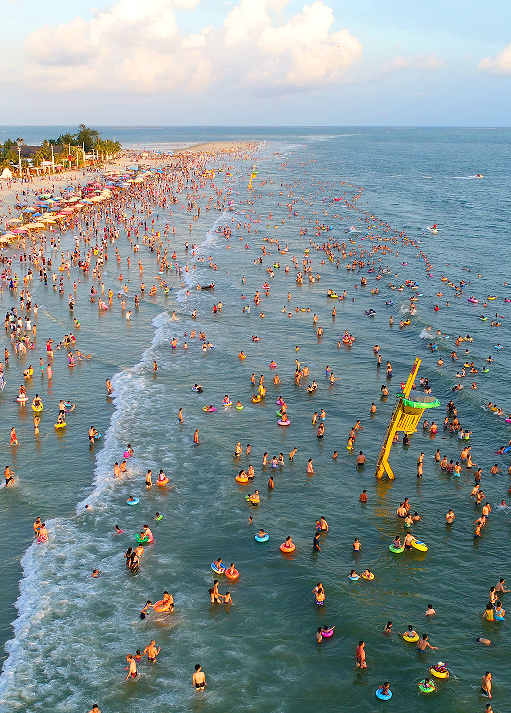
(22, 399)
(164, 481)
(60, 425)
(264, 538)
(217, 571)
(327, 634)
(242, 479)
(135, 501)
(439, 674)
(208, 410)
(354, 579)
(364, 576)
(160, 517)
(397, 550)
(38, 409)
(226, 403)
(423, 689)
(287, 550)
(383, 697)
(239, 408)
(411, 639)
(143, 540)
(126, 454)
(160, 606)
(234, 575)
(418, 545)
(251, 501)
(283, 423)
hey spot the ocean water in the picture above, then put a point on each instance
(67, 635)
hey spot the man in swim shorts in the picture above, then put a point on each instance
(361, 459)
(132, 667)
(151, 651)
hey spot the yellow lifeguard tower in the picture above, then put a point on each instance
(254, 174)
(405, 418)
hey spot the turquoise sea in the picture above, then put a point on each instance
(66, 635)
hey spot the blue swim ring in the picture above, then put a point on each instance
(264, 538)
(378, 693)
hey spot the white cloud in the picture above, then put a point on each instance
(428, 62)
(500, 65)
(137, 48)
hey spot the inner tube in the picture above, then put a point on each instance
(411, 639)
(383, 697)
(327, 634)
(226, 403)
(162, 482)
(423, 689)
(126, 454)
(22, 399)
(208, 410)
(38, 409)
(364, 576)
(242, 479)
(251, 501)
(234, 575)
(60, 425)
(287, 550)
(397, 550)
(438, 674)
(283, 423)
(264, 538)
(159, 606)
(197, 391)
(217, 571)
(135, 501)
(419, 546)
(160, 517)
(143, 540)
(354, 579)
(239, 408)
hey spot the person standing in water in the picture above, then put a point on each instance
(199, 678)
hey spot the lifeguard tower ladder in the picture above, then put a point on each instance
(405, 418)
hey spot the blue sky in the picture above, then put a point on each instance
(246, 62)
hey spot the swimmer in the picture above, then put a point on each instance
(424, 644)
(388, 629)
(360, 655)
(198, 678)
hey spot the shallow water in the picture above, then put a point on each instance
(73, 632)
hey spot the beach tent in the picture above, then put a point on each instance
(6, 173)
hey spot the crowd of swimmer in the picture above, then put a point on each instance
(162, 194)
(95, 230)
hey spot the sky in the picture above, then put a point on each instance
(256, 62)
